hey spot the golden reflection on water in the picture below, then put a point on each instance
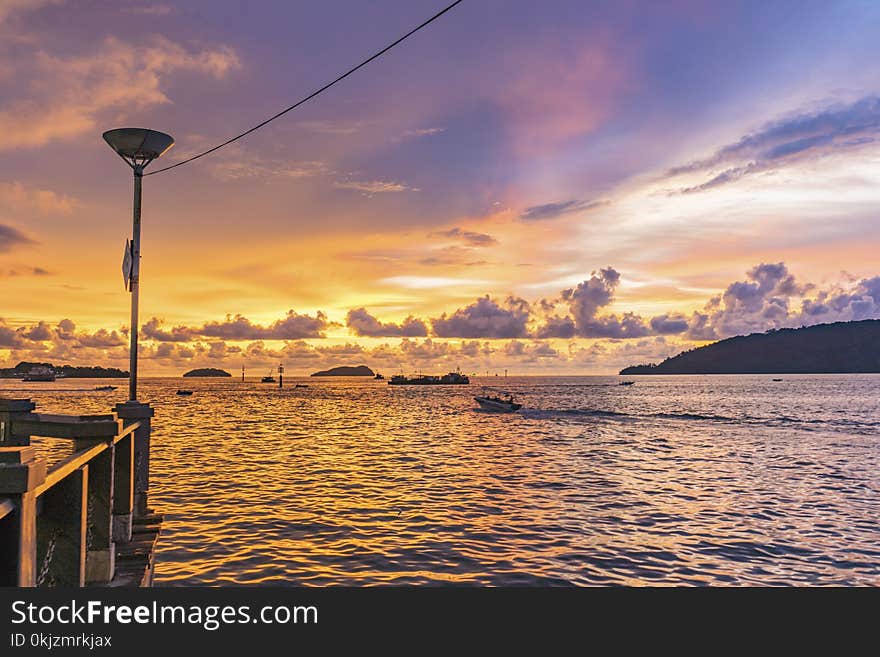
(676, 480)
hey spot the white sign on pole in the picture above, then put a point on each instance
(127, 263)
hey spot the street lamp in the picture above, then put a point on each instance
(138, 147)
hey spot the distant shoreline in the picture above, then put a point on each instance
(837, 348)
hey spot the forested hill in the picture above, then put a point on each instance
(844, 347)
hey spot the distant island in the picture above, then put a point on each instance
(67, 371)
(346, 370)
(839, 348)
(207, 371)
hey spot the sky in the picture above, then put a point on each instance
(560, 187)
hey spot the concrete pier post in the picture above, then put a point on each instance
(10, 410)
(130, 412)
(20, 473)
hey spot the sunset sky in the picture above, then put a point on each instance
(559, 186)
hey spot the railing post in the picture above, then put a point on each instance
(123, 489)
(10, 410)
(20, 473)
(135, 411)
(100, 550)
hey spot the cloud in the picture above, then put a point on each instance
(485, 318)
(559, 208)
(557, 327)
(17, 197)
(468, 237)
(629, 325)
(417, 133)
(8, 7)
(101, 338)
(584, 302)
(339, 128)
(63, 333)
(771, 298)
(669, 324)
(800, 137)
(70, 93)
(239, 163)
(364, 324)
(535, 352)
(10, 338)
(157, 9)
(462, 256)
(11, 238)
(293, 326)
(238, 327)
(768, 297)
(153, 330)
(370, 187)
(590, 295)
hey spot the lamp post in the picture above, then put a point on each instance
(138, 147)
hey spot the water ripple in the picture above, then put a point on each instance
(676, 480)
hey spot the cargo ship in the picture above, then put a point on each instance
(453, 378)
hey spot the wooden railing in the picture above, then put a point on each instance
(64, 526)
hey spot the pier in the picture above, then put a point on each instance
(84, 521)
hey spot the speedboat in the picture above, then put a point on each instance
(497, 403)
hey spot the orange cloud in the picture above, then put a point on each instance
(67, 94)
(18, 197)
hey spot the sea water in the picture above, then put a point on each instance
(675, 480)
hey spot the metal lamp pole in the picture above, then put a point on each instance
(134, 282)
(138, 147)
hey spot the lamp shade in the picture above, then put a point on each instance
(138, 143)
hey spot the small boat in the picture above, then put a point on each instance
(453, 378)
(504, 403)
(105, 388)
(268, 378)
(777, 379)
(378, 377)
(184, 393)
(627, 383)
(301, 385)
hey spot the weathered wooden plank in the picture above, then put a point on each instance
(65, 426)
(19, 478)
(11, 409)
(17, 455)
(18, 535)
(75, 461)
(16, 405)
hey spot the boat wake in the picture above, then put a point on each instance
(852, 426)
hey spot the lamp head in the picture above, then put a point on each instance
(138, 146)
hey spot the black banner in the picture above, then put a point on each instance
(141, 621)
